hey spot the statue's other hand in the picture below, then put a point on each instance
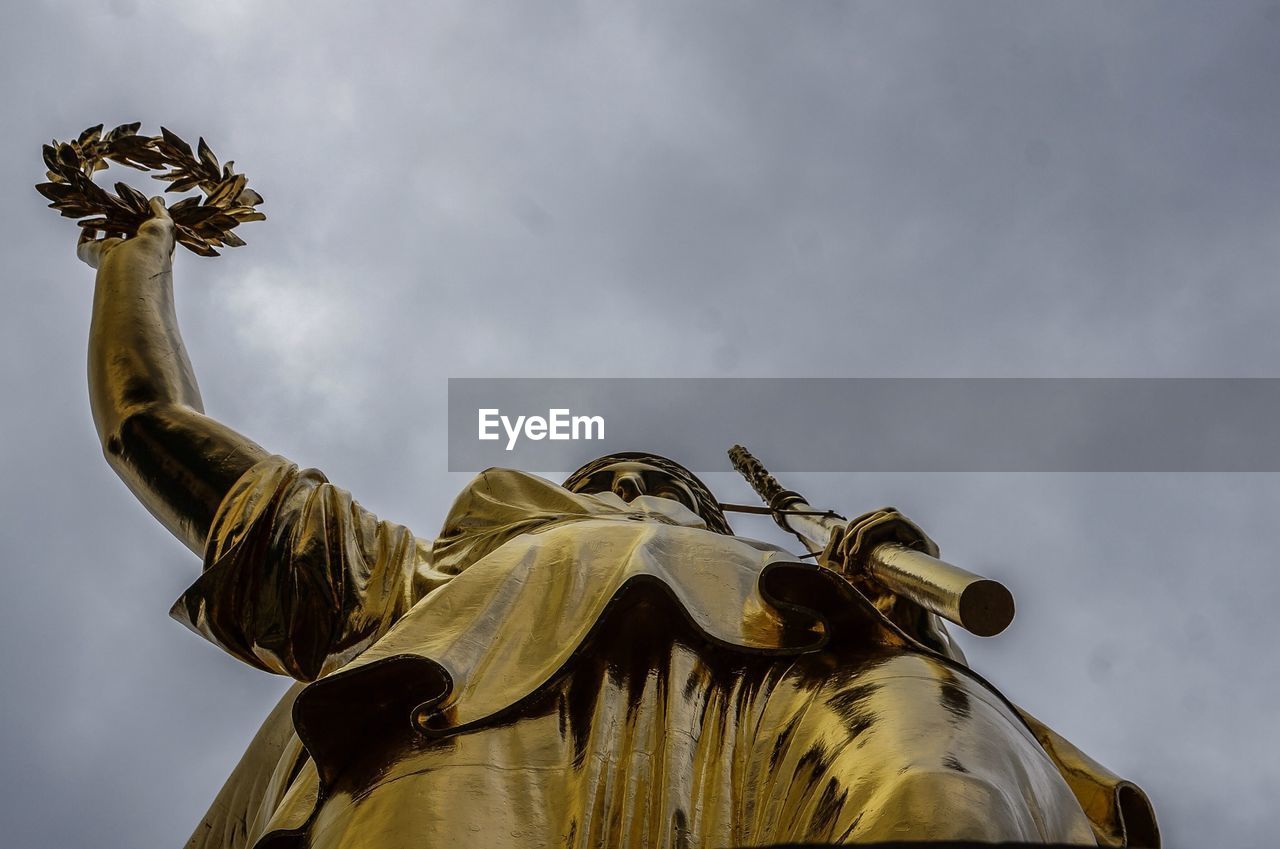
(850, 547)
(154, 240)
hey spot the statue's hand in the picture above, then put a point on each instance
(849, 548)
(154, 241)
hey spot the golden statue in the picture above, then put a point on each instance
(599, 663)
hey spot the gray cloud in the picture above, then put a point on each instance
(661, 189)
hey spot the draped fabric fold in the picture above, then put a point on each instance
(298, 578)
(417, 651)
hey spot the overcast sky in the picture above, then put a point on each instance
(660, 189)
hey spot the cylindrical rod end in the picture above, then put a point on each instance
(986, 608)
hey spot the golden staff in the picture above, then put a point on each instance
(979, 605)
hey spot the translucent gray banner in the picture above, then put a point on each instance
(873, 424)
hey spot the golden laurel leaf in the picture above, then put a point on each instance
(200, 224)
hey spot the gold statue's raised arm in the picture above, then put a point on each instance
(288, 602)
(146, 404)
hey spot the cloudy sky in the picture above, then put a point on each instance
(660, 189)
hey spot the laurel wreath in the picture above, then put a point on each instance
(201, 224)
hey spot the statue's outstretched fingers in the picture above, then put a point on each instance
(91, 250)
(159, 210)
(160, 225)
(160, 222)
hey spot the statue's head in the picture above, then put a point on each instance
(631, 474)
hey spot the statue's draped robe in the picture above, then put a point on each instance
(561, 669)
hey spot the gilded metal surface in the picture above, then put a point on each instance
(979, 605)
(554, 668)
(890, 550)
(146, 404)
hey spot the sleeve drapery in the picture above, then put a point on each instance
(298, 577)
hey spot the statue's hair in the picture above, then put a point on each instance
(708, 507)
